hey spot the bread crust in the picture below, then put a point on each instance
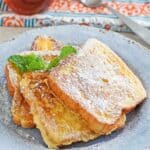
(20, 110)
(9, 84)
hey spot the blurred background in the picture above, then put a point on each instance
(27, 14)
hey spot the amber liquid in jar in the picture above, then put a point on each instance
(28, 7)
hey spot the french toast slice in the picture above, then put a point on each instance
(20, 109)
(97, 84)
(58, 124)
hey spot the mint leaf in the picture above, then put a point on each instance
(27, 62)
(29, 58)
(18, 61)
(67, 50)
(36, 64)
(53, 63)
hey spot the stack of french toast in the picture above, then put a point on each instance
(79, 98)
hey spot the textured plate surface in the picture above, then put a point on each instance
(136, 133)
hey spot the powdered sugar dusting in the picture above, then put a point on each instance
(94, 82)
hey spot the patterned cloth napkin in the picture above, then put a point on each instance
(73, 12)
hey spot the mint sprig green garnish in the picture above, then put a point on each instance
(67, 50)
(27, 63)
(36, 64)
(53, 63)
(18, 61)
(32, 62)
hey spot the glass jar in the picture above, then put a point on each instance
(28, 7)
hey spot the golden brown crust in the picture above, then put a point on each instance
(129, 109)
(20, 109)
(10, 86)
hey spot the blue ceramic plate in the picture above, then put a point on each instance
(135, 135)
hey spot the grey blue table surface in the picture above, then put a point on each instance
(135, 135)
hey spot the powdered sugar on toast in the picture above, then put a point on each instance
(95, 81)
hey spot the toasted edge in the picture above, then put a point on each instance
(17, 96)
(9, 84)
